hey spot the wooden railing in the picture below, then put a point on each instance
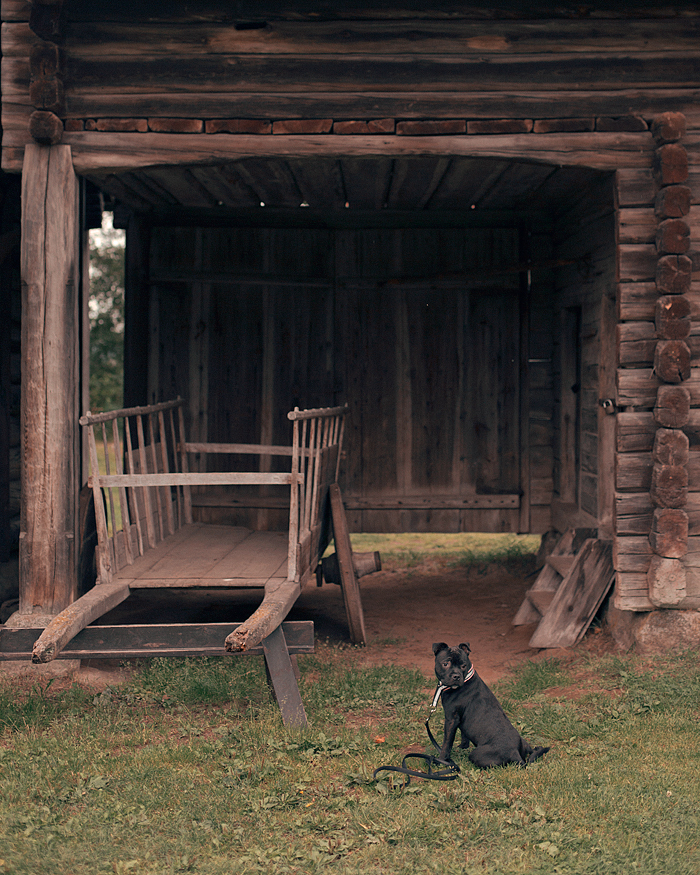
(142, 488)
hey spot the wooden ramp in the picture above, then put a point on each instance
(568, 591)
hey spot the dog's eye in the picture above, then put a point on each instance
(445, 664)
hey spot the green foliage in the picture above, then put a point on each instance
(106, 318)
(187, 768)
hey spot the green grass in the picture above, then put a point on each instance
(186, 768)
(453, 550)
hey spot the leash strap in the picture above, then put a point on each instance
(449, 773)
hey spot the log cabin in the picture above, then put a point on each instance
(477, 225)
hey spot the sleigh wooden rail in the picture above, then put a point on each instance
(143, 471)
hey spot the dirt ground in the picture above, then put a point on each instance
(405, 612)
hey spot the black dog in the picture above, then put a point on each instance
(471, 707)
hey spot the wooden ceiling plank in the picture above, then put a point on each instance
(225, 195)
(366, 182)
(414, 180)
(179, 183)
(516, 183)
(271, 180)
(319, 180)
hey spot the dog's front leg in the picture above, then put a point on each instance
(451, 726)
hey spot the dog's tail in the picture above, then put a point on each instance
(537, 753)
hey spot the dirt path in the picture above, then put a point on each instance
(405, 612)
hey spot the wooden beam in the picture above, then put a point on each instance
(278, 601)
(150, 641)
(50, 270)
(103, 151)
(77, 616)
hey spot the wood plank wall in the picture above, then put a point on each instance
(585, 235)
(386, 320)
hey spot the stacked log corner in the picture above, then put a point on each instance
(46, 93)
(668, 538)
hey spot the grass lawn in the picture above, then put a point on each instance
(186, 768)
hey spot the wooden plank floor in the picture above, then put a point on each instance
(209, 556)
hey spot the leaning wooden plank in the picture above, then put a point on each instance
(278, 601)
(81, 613)
(283, 679)
(146, 641)
(578, 598)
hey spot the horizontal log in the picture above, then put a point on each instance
(672, 202)
(672, 407)
(103, 151)
(637, 261)
(667, 127)
(672, 317)
(332, 37)
(670, 164)
(417, 502)
(633, 471)
(674, 274)
(673, 237)
(672, 361)
(638, 387)
(669, 486)
(670, 447)
(635, 432)
(390, 72)
(669, 533)
(667, 582)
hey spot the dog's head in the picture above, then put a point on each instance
(452, 664)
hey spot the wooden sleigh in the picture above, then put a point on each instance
(147, 539)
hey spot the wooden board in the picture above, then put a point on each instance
(149, 641)
(203, 555)
(578, 597)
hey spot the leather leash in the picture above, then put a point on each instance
(449, 773)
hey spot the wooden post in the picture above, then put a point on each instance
(50, 270)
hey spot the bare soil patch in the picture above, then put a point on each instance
(406, 610)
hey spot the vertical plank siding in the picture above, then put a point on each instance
(428, 363)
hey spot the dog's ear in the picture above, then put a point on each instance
(465, 647)
(438, 647)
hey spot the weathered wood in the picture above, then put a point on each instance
(668, 127)
(669, 533)
(101, 151)
(669, 485)
(106, 38)
(283, 679)
(673, 274)
(667, 582)
(670, 165)
(672, 407)
(672, 361)
(672, 317)
(150, 641)
(350, 586)
(578, 598)
(275, 606)
(670, 447)
(77, 616)
(541, 593)
(672, 202)
(50, 380)
(673, 237)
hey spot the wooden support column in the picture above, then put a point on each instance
(50, 270)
